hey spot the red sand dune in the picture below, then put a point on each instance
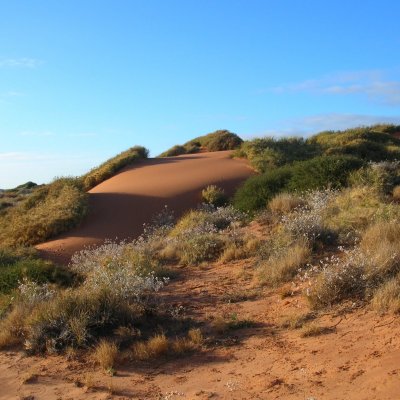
(121, 205)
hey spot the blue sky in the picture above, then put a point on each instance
(83, 80)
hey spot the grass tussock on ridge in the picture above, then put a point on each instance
(112, 166)
(215, 141)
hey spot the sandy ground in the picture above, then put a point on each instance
(358, 359)
(121, 205)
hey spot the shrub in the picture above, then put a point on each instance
(214, 195)
(215, 141)
(380, 176)
(322, 172)
(266, 153)
(257, 191)
(339, 280)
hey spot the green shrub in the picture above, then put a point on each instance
(267, 153)
(214, 195)
(19, 264)
(257, 191)
(322, 172)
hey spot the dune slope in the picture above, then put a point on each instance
(122, 204)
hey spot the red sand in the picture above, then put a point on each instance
(121, 205)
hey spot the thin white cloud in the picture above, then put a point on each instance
(23, 62)
(375, 85)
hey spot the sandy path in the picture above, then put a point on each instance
(121, 205)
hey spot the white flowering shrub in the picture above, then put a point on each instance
(337, 278)
(307, 220)
(31, 292)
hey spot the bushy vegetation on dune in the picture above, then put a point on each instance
(215, 141)
(42, 212)
(327, 159)
(11, 197)
(50, 210)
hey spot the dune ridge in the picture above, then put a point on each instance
(121, 205)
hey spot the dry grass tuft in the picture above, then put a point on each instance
(12, 327)
(282, 268)
(396, 193)
(155, 347)
(105, 354)
(285, 203)
(387, 297)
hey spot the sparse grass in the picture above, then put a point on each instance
(297, 321)
(240, 295)
(313, 330)
(105, 354)
(223, 324)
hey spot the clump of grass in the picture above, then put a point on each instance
(381, 246)
(396, 193)
(105, 354)
(214, 195)
(387, 297)
(283, 267)
(160, 346)
(284, 203)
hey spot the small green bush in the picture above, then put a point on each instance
(214, 195)
(257, 191)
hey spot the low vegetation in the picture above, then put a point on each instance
(215, 141)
